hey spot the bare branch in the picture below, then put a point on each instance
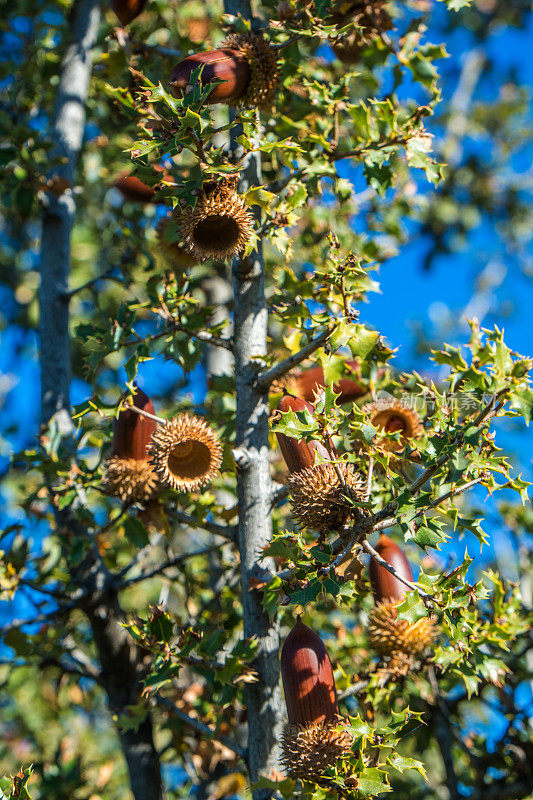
(265, 379)
(201, 727)
(228, 532)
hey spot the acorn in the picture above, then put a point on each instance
(307, 384)
(128, 10)
(392, 416)
(386, 586)
(128, 475)
(299, 455)
(245, 62)
(132, 188)
(219, 226)
(315, 736)
(389, 635)
(185, 452)
(229, 65)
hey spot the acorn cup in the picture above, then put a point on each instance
(128, 10)
(246, 63)
(318, 497)
(393, 416)
(185, 453)
(372, 17)
(397, 639)
(128, 474)
(219, 226)
(316, 735)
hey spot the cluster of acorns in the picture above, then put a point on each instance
(183, 453)
(316, 735)
(220, 225)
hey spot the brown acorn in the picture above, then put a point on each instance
(229, 65)
(246, 63)
(128, 475)
(307, 384)
(170, 248)
(384, 585)
(131, 431)
(389, 635)
(298, 455)
(132, 188)
(315, 737)
(127, 10)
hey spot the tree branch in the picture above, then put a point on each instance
(265, 379)
(201, 727)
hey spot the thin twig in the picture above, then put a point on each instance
(228, 532)
(368, 490)
(147, 414)
(367, 547)
(157, 570)
(201, 727)
(265, 379)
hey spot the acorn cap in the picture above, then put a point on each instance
(308, 751)
(308, 682)
(219, 226)
(185, 453)
(370, 16)
(130, 480)
(132, 432)
(388, 634)
(262, 59)
(395, 667)
(299, 455)
(319, 500)
(127, 10)
(384, 585)
(230, 65)
(392, 415)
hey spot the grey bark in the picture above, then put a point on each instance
(117, 655)
(264, 701)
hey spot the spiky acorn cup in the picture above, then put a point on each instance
(393, 416)
(371, 17)
(389, 635)
(315, 737)
(185, 453)
(319, 498)
(219, 226)
(128, 474)
(247, 66)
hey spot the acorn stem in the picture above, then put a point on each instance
(368, 490)
(367, 547)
